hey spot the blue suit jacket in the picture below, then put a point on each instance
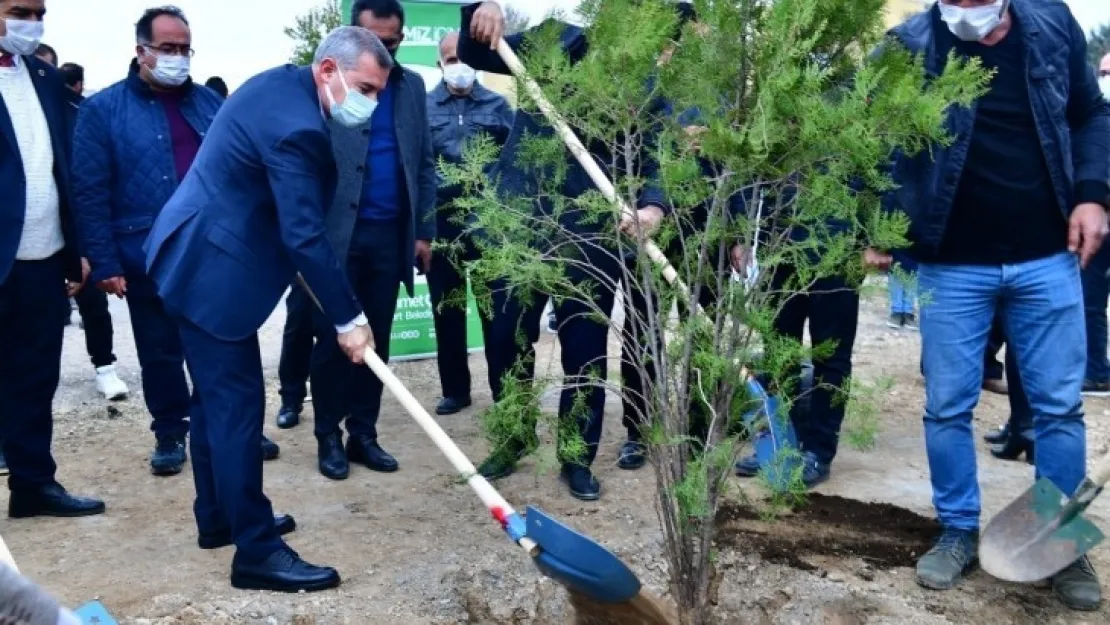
(54, 98)
(250, 212)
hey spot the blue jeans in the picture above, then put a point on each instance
(903, 296)
(1041, 306)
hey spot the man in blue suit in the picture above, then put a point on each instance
(38, 255)
(246, 219)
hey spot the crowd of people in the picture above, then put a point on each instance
(202, 211)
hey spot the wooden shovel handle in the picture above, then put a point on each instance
(6, 556)
(600, 180)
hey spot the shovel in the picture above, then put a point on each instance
(566, 556)
(776, 448)
(1043, 531)
(27, 603)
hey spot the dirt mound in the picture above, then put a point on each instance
(882, 535)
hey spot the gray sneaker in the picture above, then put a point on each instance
(953, 555)
(1077, 586)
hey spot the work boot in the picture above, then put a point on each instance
(270, 449)
(633, 455)
(1077, 586)
(109, 384)
(581, 482)
(288, 416)
(169, 456)
(953, 555)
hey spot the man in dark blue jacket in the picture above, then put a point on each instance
(459, 108)
(583, 338)
(38, 256)
(1002, 220)
(133, 144)
(248, 217)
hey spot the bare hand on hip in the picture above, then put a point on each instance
(1086, 230)
(356, 342)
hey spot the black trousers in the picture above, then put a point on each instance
(341, 388)
(832, 308)
(92, 304)
(297, 340)
(992, 368)
(447, 288)
(33, 309)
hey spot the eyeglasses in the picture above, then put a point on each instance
(172, 49)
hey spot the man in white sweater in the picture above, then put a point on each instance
(39, 263)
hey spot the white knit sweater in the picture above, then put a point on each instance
(42, 223)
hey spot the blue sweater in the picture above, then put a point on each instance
(381, 187)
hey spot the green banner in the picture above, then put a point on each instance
(425, 24)
(414, 334)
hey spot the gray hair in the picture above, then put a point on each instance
(346, 45)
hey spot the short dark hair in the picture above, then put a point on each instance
(218, 85)
(144, 28)
(45, 49)
(72, 73)
(382, 9)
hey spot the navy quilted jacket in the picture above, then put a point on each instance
(123, 168)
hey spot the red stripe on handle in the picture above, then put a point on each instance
(501, 516)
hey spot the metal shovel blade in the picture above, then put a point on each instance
(93, 613)
(579, 563)
(1032, 539)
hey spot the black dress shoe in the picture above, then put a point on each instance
(581, 481)
(451, 405)
(283, 571)
(52, 500)
(169, 456)
(288, 417)
(365, 450)
(633, 455)
(270, 449)
(998, 436)
(332, 459)
(285, 525)
(1013, 449)
(3, 463)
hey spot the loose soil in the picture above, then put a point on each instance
(416, 547)
(882, 535)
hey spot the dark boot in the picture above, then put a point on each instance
(452, 405)
(288, 416)
(581, 482)
(953, 555)
(998, 436)
(366, 451)
(169, 456)
(633, 455)
(332, 458)
(270, 449)
(502, 463)
(3, 461)
(1013, 448)
(284, 571)
(1077, 586)
(52, 500)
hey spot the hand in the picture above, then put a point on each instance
(85, 270)
(424, 254)
(487, 25)
(356, 342)
(73, 288)
(875, 260)
(114, 286)
(740, 258)
(647, 217)
(693, 136)
(1086, 230)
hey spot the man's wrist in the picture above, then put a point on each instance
(1092, 192)
(360, 320)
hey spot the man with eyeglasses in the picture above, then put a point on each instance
(133, 144)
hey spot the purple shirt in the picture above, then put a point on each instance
(184, 139)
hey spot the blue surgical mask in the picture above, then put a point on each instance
(356, 108)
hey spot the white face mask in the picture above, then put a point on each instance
(459, 75)
(23, 37)
(975, 23)
(170, 70)
(1104, 84)
(355, 110)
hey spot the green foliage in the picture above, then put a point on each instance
(310, 28)
(1098, 44)
(792, 112)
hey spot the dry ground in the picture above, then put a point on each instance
(416, 548)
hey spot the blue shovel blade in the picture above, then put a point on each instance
(93, 613)
(579, 563)
(776, 446)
